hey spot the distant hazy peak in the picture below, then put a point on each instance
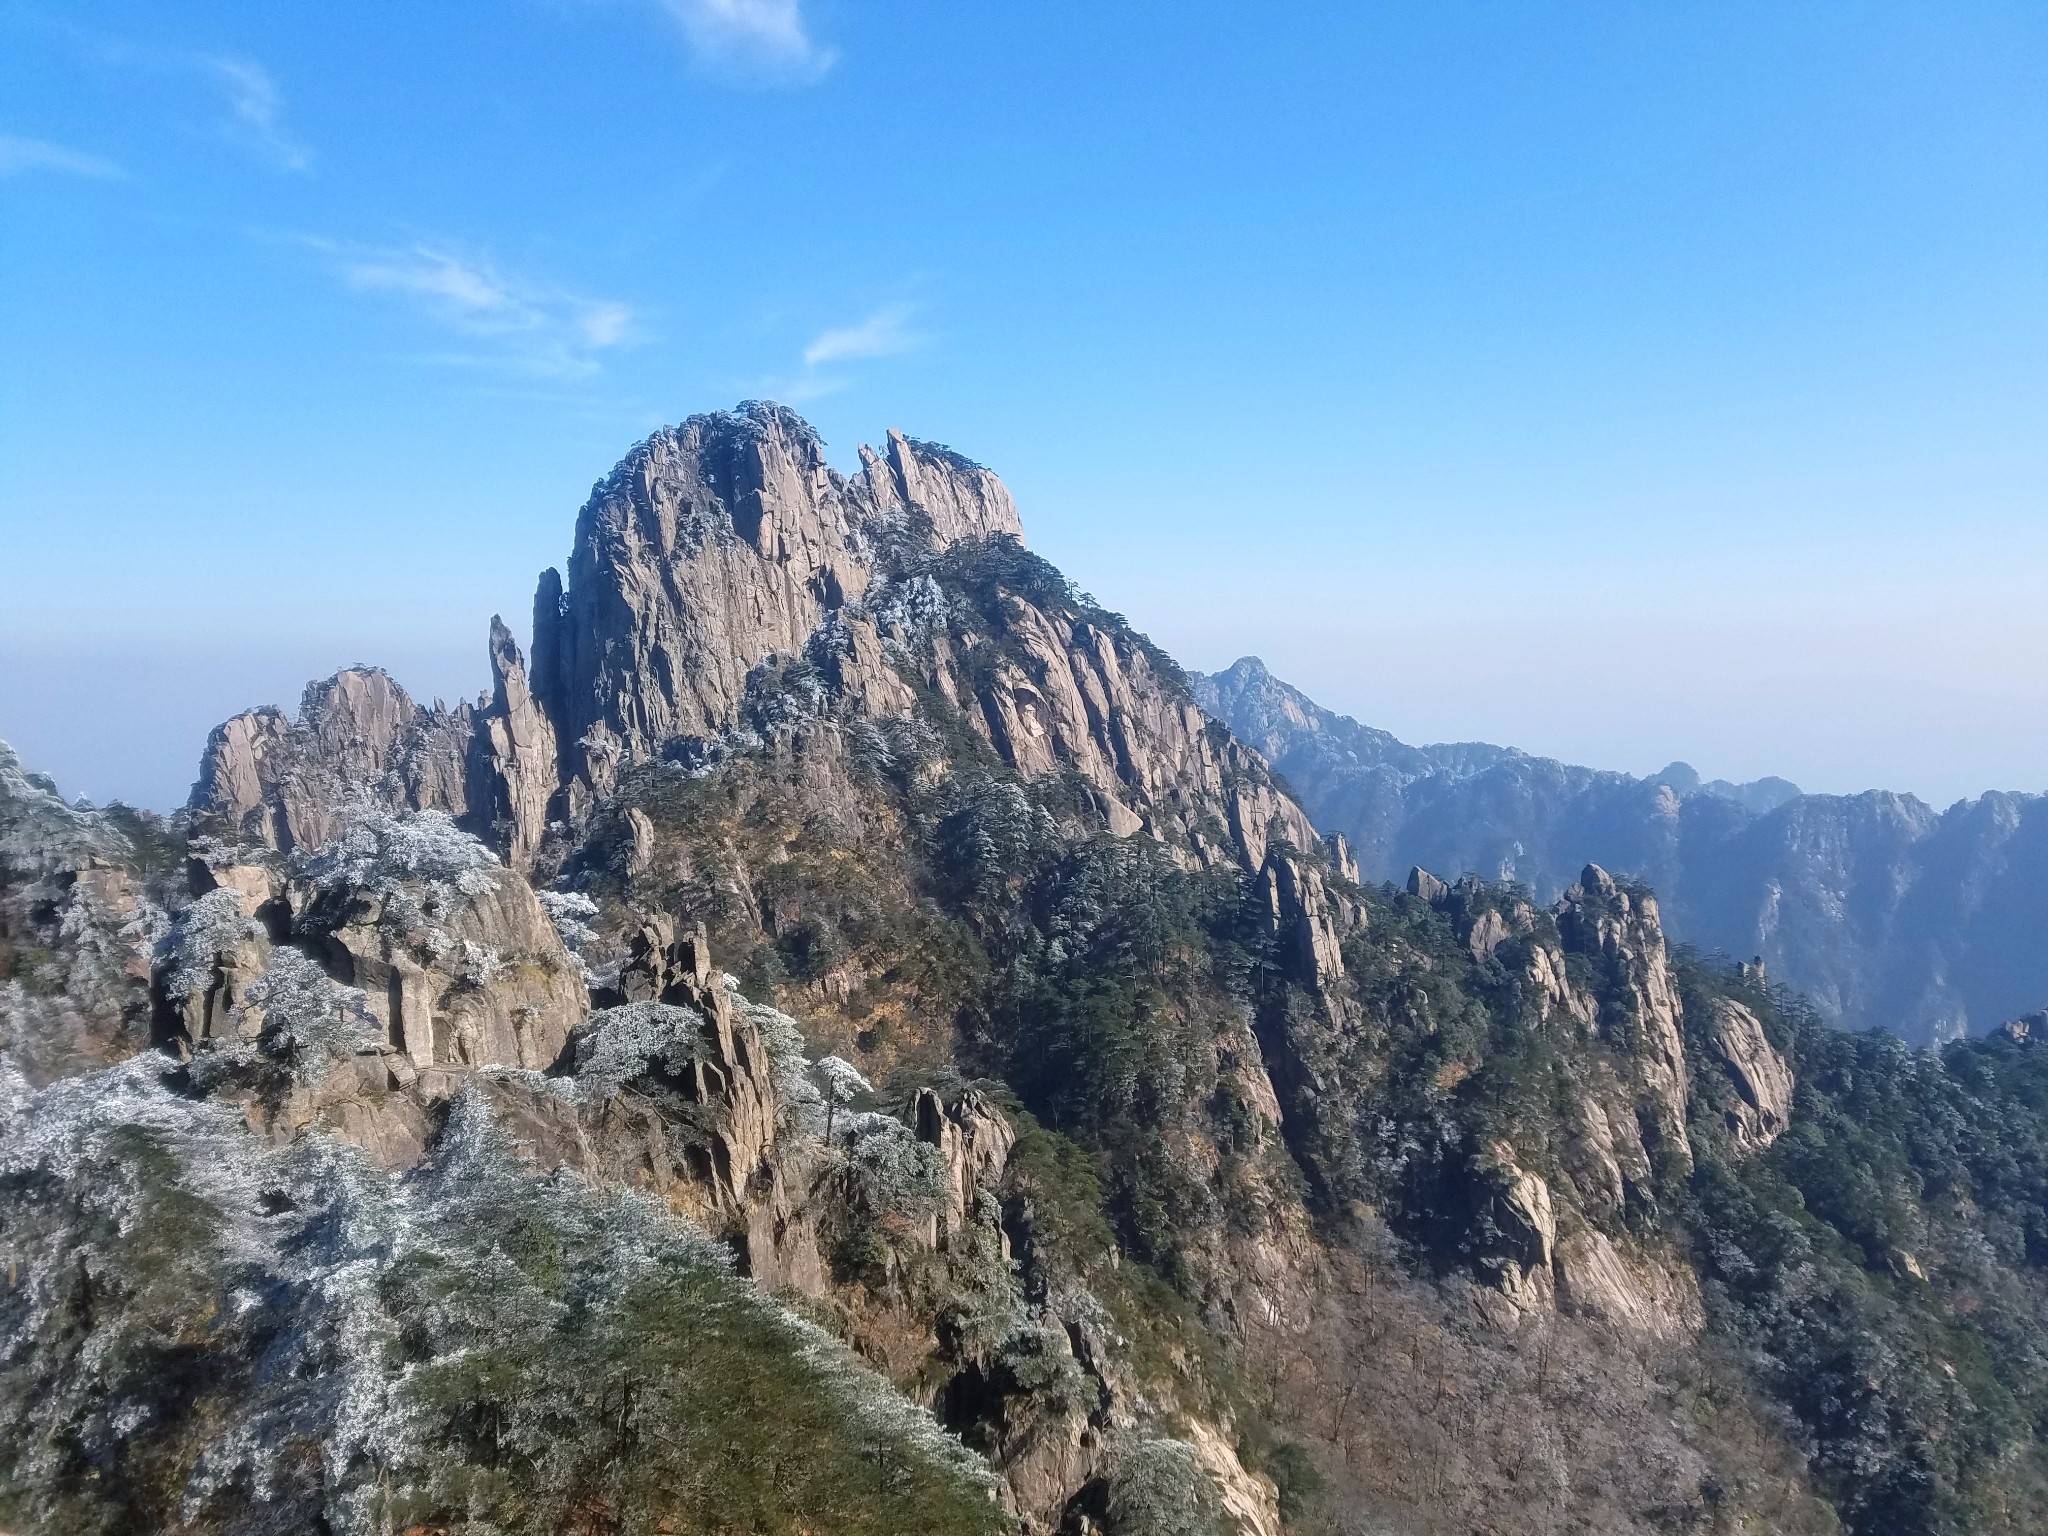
(1759, 796)
(1272, 715)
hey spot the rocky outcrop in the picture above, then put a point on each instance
(725, 579)
(713, 546)
(1484, 917)
(1557, 997)
(486, 982)
(958, 497)
(1604, 1157)
(722, 549)
(79, 915)
(974, 1139)
(1651, 1301)
(1518, 1229)
(1308, 917)
(1634, 1008)
(219, 950)
(358, 735)
(1760, 1108)
(463, 971)
(733, 1178)
(731, 1075)
(1639, 1009)
(710, 547)
(1250, 1500)
(1594, 968)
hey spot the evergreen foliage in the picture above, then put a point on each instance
(309, 1019)
(1883, 1263)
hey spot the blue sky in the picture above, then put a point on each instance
(1624, 381)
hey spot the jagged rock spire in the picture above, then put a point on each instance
(725, 544)
(513, 761)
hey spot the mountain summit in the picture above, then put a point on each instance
(839, 1039)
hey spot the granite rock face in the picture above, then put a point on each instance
(81, 912)
(711, 547)
(724, 575)
(1515, 1210)
(1640, 1009)
(1760, 1109)
(1884, 911)
(513, 758)
(915, 480)
(288, 783)
(457, 966)
(974, 1139)
(1624, 996)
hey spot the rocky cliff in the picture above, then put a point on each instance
(1062, 1140)
(712, 546)
(1887, 913)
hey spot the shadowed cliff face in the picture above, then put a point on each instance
(1887, 913)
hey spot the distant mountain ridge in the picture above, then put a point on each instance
(1885, 911)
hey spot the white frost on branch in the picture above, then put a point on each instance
(309, 1020)
(618, 1045)
(419, 857)
(572, 913)
(347, 1310)
(208, 928)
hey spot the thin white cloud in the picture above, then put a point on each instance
(245, 104)
(256, 109)
(768, 37)
(885, 333)
(20, 154)
(801, 389)
(527, 327)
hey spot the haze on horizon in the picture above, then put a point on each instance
(1622, 383)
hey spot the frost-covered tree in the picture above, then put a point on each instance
(841, 1082)
(892, 1171)
(309, 1019)
(789, 1065)
(419, 864)
(1157, 1487)
(573, 915)
(206, 929)
(621, 1044)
